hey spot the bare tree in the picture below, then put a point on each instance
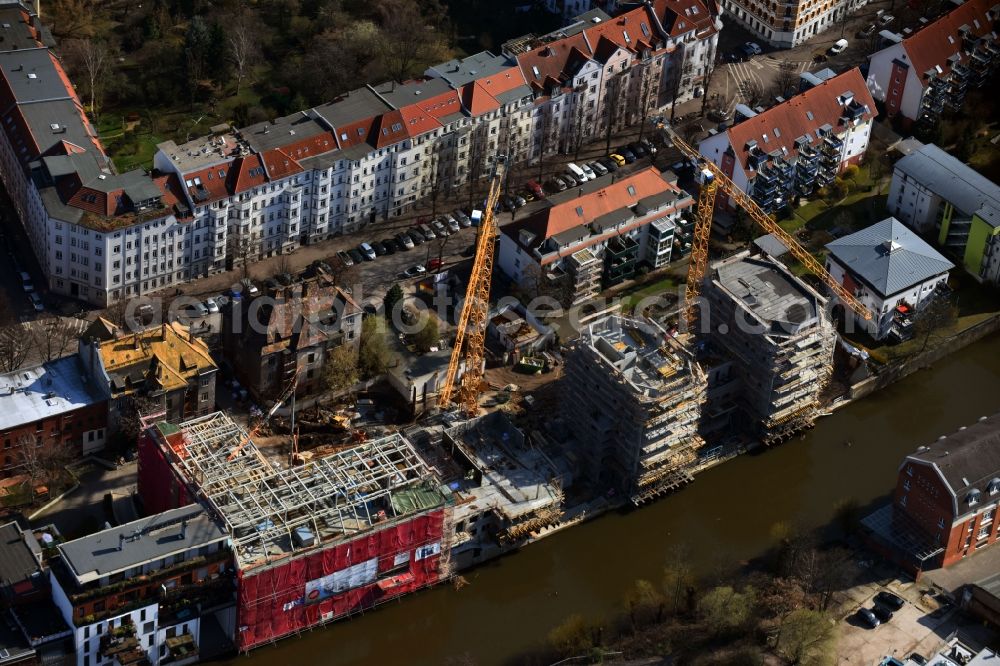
(243, 251)
(934, 318)
(53, 337)
(784, 82)
(707, 82)
(242, 42)
(93, 57)
(15, 347)
(131, 415)
(752, 92)
(283, 264)
(42, 462)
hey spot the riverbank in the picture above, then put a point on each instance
(727, 517)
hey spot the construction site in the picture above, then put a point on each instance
(310, 543)
(776, 332)
(632, 398)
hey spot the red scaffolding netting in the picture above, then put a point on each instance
(339, 580)
(157, 484)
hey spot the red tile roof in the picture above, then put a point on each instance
(313, 145)
(585, 209)
(245, 173)
(212, 181)
(935, 43)
(279, 164)
(636, 30)
(477, 100)
(416, 121)
(441, 105)
(170, 186)
(355, 133)
(390, 128)
(800, 115)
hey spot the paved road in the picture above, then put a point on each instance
(82, 511)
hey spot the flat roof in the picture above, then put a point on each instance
(17, 34)
(32, 76)
(779, 301)
(145, 540)
(281, 131)
(958, 184)
(32, 394)
(643, 355)
(353, 106)
(333, 498)
(460, 71)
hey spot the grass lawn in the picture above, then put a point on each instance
(630, 298)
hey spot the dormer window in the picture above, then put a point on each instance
(994, 486)
(973, 497)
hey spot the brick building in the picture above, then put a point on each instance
(945, 502)
(55, 407)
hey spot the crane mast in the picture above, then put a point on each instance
(473, 320)
(714, 179)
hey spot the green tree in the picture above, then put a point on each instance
(429, 335)
(805, 637)
(644, 603)
(724, 608)
(373, 358)
(392, 297)
(573, 637)
(340, 372)
(678, 585)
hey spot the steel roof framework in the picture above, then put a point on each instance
(263, 505)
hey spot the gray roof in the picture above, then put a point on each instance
(145, 540)
(889, 257)
(404, 94)
(780, 302)
(352, 107)
(458, 72)
(771, 245)
(282, 131)
(16, 33)
(17, 558)
(960, 185)
(32, 75)
(990, 214)
(51, 389)
(968, 459)
(55, 121)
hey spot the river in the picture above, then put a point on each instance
(725, 516)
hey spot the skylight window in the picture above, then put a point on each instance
(631, 190)
(628, 40)
(645, 29)
(809, 115)
(534, 70)
(32, 75)
(579, 211)
(777, 133)
(396, 127)
(343, 136)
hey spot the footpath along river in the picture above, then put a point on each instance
(725, 516)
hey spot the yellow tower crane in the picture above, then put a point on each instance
(473, 320)
(712, 180)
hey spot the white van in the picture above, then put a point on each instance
(838, 46)
(578, 173)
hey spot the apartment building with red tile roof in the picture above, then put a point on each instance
(596, 235)
(918, 76)
(799, 145)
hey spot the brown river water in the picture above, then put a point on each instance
(724, 517)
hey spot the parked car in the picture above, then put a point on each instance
(638, 149)
(598, 168)
(200, 310)
(464, 220)
(452, 223)
(736, 56)
(518, 201)
(535, 188)
(379, 248)
(367, 252)
(570, 179)
(346, 258)
(868, 618)
(838, 47)
(26, 282)
(754, 47)
(648, 145)
(917, 658)
(427, 231)
(557, 184)
(590, 173)
(868, 30)
(618, 159)
(390, 245)
(718, 115)
(36, 301)
(416, 236)
(433, 264)
(440, 229)
(249, 287)
(414, 271)
(527, 195)
(356, 256)
(608, 163)
(889, 600)
(882, 613)
(404, 241)
(886, 19)
(746, 51)
(627, 154)
(211, 305)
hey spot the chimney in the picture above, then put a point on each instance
(184, 527)
(121, 542)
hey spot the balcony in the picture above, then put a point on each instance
(181, 650)
(123, 647)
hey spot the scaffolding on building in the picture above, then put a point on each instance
(272, 512)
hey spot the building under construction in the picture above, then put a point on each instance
(778, 334)
(633, 397)
(311, 543)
